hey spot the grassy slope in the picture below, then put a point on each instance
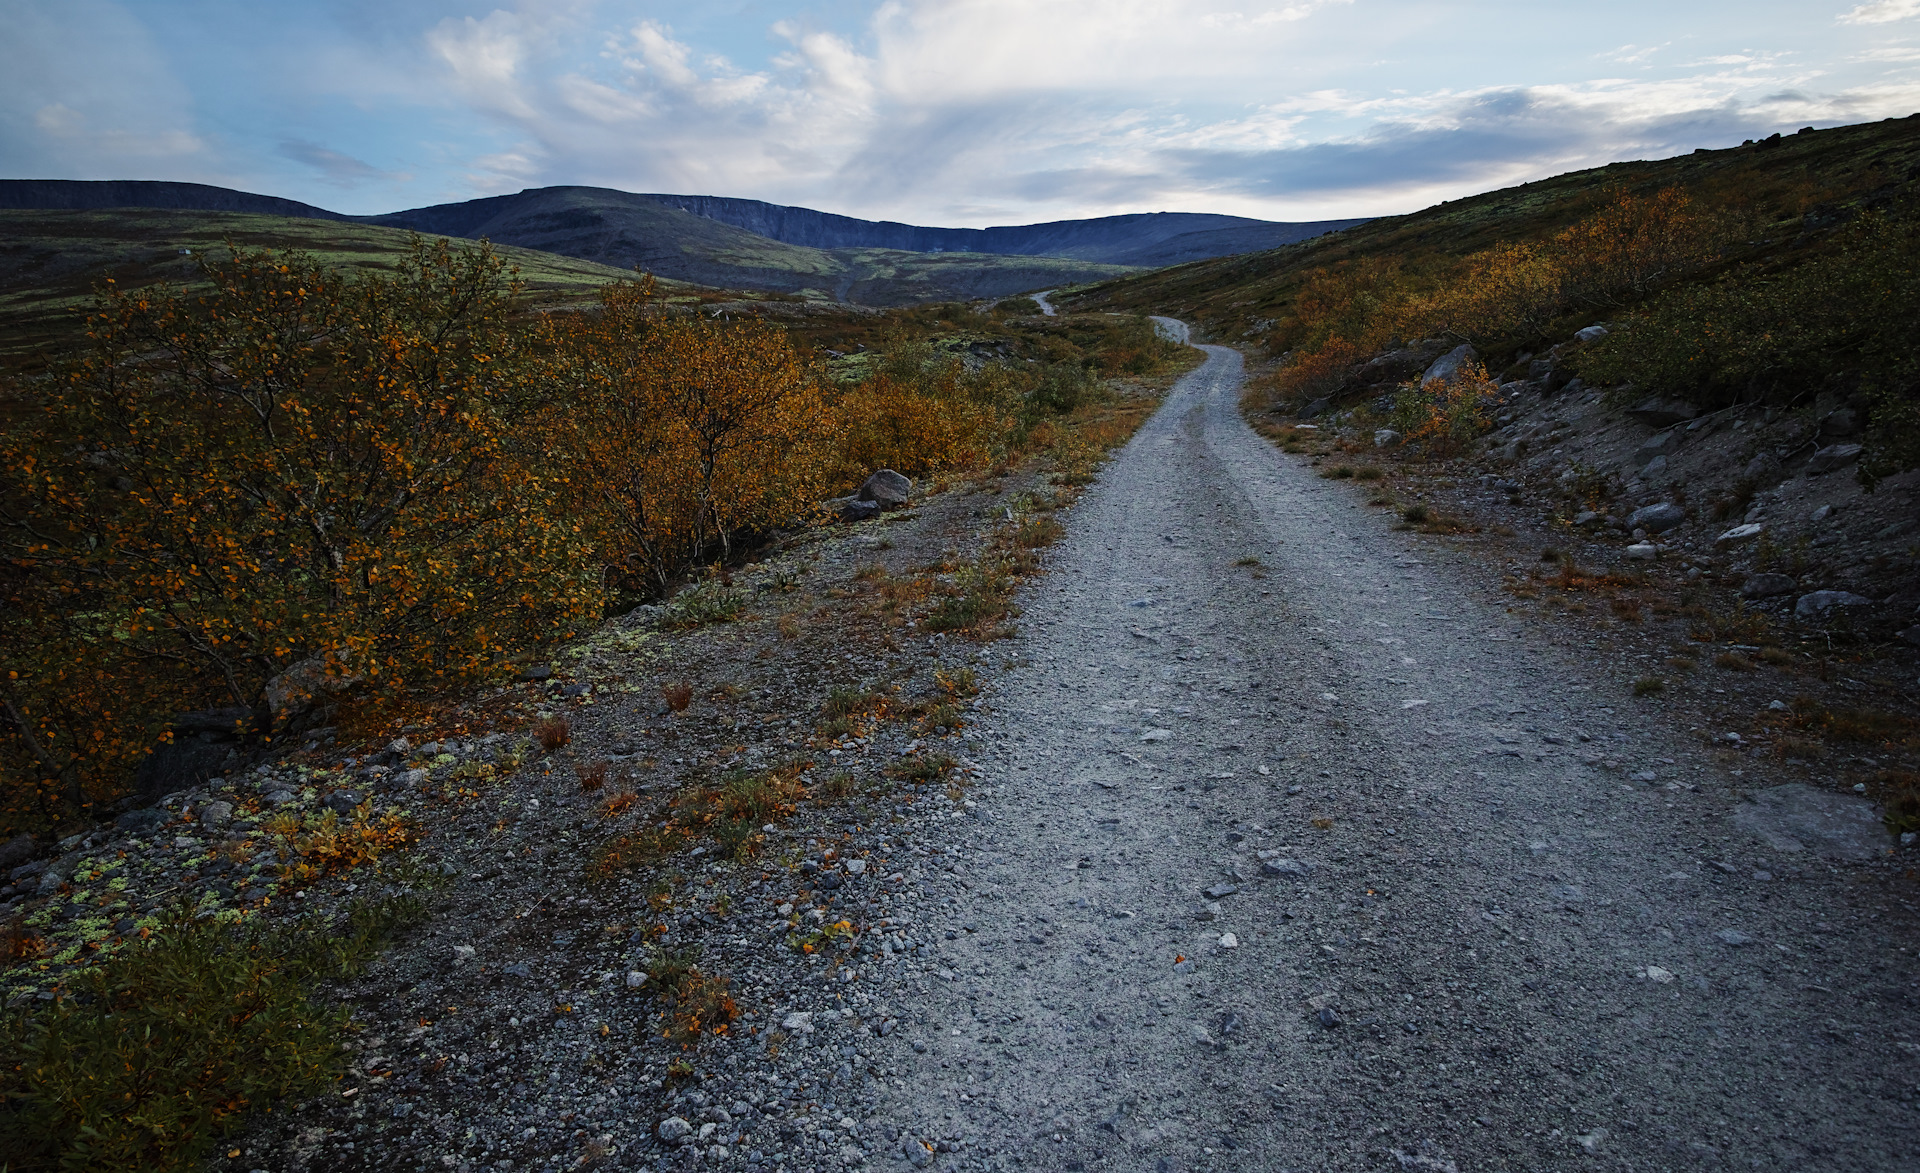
(51, 261)
(1783, 180)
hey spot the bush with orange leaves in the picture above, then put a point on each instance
(683, 435)
(294, 465)
(1444, 416)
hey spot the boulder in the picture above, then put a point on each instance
(854, 509)
(1739, 534)
(17, 851)
(214, 814)
(1834, 456)
(1657, 519)
(886, 488)
(1385, 438)
(1844, 422)
(1446, 368)
(304, 686)
(1768, 586)
(1655, 470)
(1817, 604)
(1315, 408)
(1588, 519)
(1662, 413)
(1591, 334)
(341, 802)
(1643, 551)
(1911, 636)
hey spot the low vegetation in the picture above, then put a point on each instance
(296, 487)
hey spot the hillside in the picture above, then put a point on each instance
(50, 261)
(1789, 186)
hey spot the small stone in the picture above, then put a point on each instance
(1591, 1141)
(1221, 890)
(1657, 519)
(1208, 911)
(1643, 551)
(798, 1022)
(1662, 976)
(1777, 706)
(532, 672)
(1768, 586)
(1329, 1017)
(856, 867)
(278, 797)
(635, 979)
(1385, 438)
(1739, 534)
(462, 954)
(1825, 460)
(414, 777)
(341, 802)
(1818, 603)
(518, 969)
(1156, 735)
(1229, 941)
(673, 1130)
(1732, 937)
(1283, 867)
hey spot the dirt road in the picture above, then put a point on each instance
(1326, 862)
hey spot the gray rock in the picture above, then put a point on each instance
(1898, 529)
(1912, 636)
(518, 969)
(673, 1130)
(279, 797)
(1768, 586)
(214, 814)
(142, 822)
(1316, 407)
(17, 850)
(413, 777)
(1825, 460)
(1283, 867)
(1844, 422)
(1222, 890)
(887, 488)
(1591, 334)
(304, 685)
(1385, 438)
(1660, 444)
(1733, 938)
(1588, 519)
(27, 871)
(1643, 551)
(1740, 534)
(532, 672)
(1657, 519)
(1662, 413)
(341, 802)
(1655, 470)
(1818, 603)
(1446, 368)
(1821, 514)
(1798, 818)
(1763, 470)
(852, 509)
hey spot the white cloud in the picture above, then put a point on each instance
(1882, 12)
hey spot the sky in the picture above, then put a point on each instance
(947, 112)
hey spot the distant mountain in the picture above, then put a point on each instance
(1175, 236)
(735, 243)
(77, 195)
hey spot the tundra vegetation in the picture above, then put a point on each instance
(394, 485)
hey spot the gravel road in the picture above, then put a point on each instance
(1470, 908)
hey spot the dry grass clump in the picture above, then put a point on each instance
(1649, 686)
(592, 775)
(1733, 661)
(553, 733)
(696, 1002)
(678, 696)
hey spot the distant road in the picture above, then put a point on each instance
(1046, 307)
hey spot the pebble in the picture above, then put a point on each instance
(673, 1130)
(1222, 890)
(1229, 941)
(1733, 937)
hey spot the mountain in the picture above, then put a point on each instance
(736, 243)
(78, 195)
(1113, 240)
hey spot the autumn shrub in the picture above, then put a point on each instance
(1445, 416)
(293, 468)
(683, 435)
(552, 733)
(151, 1056)
(917, 428)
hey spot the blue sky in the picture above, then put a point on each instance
(959, 112)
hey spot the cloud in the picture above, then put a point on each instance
(1882, 12)
(341, 170)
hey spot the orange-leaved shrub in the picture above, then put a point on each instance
(683, 434)
(294, 467)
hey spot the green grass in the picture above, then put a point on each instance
(50, 261)
(148, 1059)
